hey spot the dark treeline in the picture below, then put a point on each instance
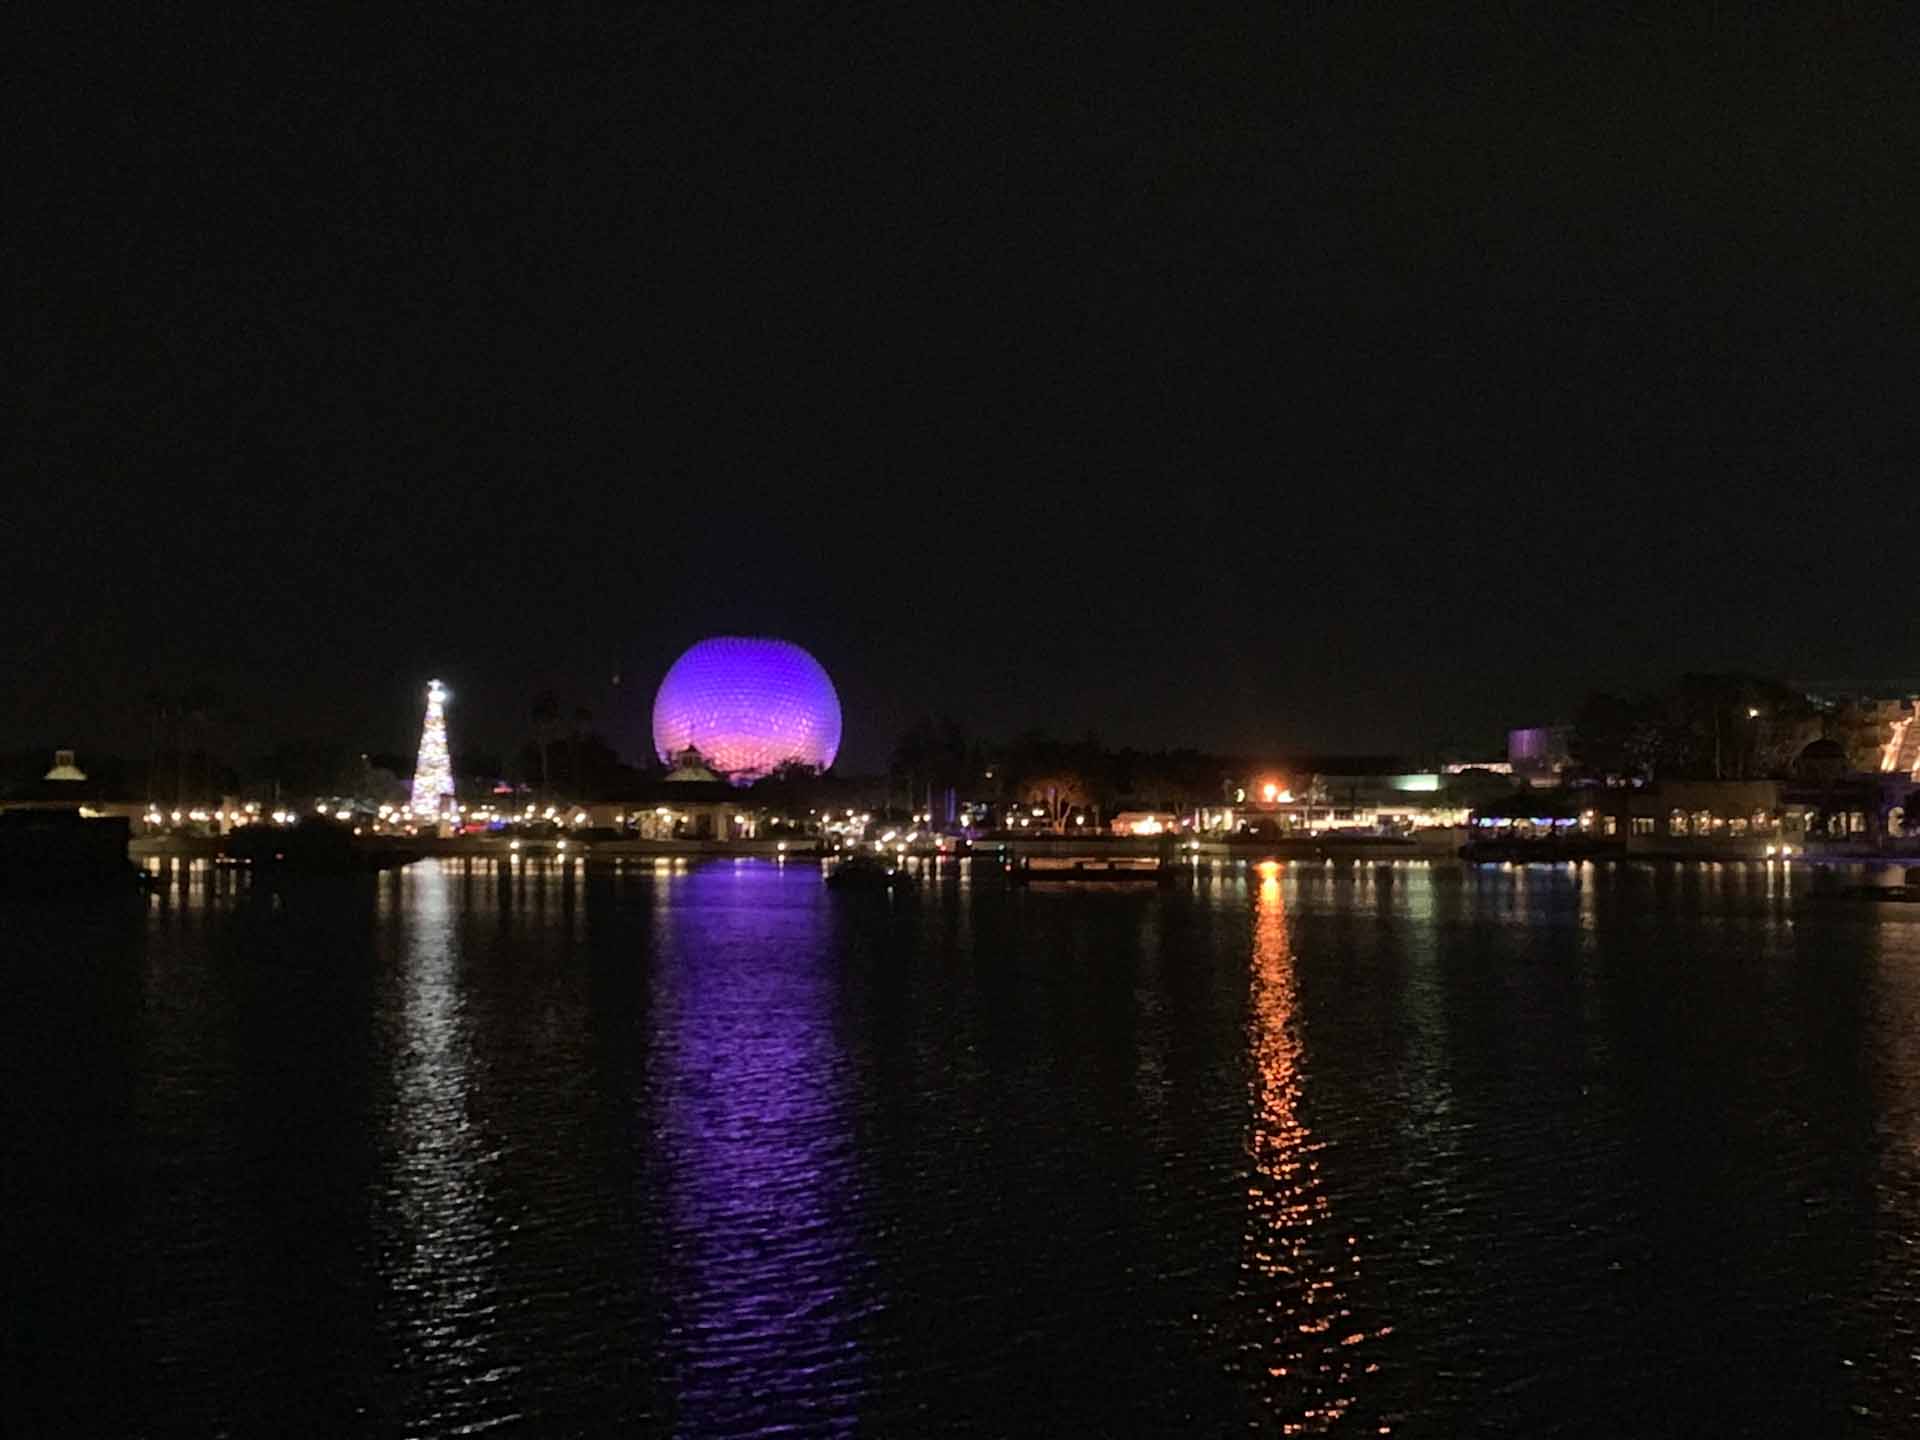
(564, 759)
(295, 771)
(1717, 727)
(937, 755)
(162, 776)
(1730, 726)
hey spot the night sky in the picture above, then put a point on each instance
(1349, 377)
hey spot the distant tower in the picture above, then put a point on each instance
(433, 770)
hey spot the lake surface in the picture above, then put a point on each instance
(710, 1150)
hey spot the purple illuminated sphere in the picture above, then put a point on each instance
(748, 705)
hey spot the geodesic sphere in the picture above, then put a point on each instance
(748, 705)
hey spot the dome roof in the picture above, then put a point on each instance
(64, 769)
(689, 767)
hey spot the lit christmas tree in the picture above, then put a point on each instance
(433, 770)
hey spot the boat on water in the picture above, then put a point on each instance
(313, 846)
(867, 872)
(1124, 870)
(63, 852)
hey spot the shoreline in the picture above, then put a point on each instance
(1441, 848)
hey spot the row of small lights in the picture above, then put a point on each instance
(393, 814)
(400, 814)
(561, 846)
(247, 815)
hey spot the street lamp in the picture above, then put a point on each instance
(1753, 713)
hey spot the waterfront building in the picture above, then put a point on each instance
(1540, 754)
(690, 802)
(1544, 815)
(1363, 795)
(1145, 822)
(66, 786)
(1751, 817)
(1672, 818)
(1900, 754)
(1823, 809)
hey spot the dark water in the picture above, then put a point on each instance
(712, 1151)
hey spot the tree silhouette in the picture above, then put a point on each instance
(160, 711)
(582, 718)
(932, 755)
(546, 727)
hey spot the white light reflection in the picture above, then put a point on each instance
(440, 1257)
(1299, 1266)
(1891, 1061)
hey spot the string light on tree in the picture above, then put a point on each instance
(433, 769)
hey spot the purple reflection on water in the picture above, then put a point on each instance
(767, 1284)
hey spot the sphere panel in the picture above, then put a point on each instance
(748, 705)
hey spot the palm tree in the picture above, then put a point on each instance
(202, 704)
(582, 717)
(160, 708)
(546, 722)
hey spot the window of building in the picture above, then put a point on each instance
(1857, 822)
(1702, 822)
(1677, 823)
(1643, 824)
(1737, 825)
(1609, 825)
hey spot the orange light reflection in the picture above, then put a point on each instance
(1299, 1270)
